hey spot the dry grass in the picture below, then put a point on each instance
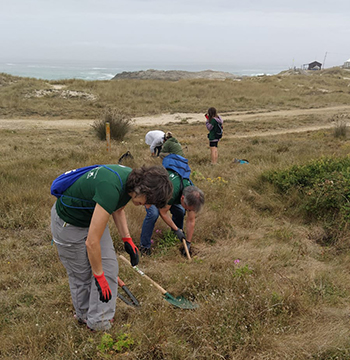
(287, 298)
(86, 99)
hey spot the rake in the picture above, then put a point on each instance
(179, 301)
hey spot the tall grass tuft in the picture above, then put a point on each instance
(119, 123)
(340, 129)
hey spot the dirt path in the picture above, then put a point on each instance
(17, 124)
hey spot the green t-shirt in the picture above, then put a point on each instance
(177, 191)
(100, 186)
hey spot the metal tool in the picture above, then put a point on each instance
(132, 301)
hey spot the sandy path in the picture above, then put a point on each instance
(16, 124)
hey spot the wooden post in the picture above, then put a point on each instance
(108, 137)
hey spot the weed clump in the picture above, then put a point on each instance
(340, 129)
(119, 124)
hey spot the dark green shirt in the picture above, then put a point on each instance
(214, 130)
(100, 186)
(177, 189)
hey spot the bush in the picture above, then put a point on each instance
(119, 124)
(323, 187)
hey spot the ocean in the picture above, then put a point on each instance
(50, 70)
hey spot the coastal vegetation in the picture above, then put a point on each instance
(78, 99)
(270, 267)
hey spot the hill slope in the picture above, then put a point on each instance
(174, 75)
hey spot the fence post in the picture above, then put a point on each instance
(108, 137)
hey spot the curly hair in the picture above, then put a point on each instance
(153, 182)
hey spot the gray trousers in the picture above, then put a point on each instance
(70, 243)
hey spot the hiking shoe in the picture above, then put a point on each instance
(93, 330)
(79, 320)
(145, 251)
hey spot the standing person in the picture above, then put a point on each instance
(185, 198)
(214, 125)
(170, 146)
(81, 234)
(155, 139)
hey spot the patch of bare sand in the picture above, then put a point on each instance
(163, 119)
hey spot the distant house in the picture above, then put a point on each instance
(347, 64)
(315, 65)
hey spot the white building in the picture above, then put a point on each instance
(347, 64)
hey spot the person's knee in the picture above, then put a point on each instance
(152, 213)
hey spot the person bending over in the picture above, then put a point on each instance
(185, 198)
(170, 146)
(155, 139)
(79, 225)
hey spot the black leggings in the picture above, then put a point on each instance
(157, 149)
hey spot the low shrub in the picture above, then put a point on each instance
(119, 124)
(323, 187)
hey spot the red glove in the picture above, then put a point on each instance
(132, 250)
(103, 288)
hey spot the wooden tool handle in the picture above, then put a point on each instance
(163, 291)
(187, 252)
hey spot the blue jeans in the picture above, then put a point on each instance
(150, 220)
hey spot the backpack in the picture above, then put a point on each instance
(179, 164)
(125, 156)
(65, 180)
(219, 131)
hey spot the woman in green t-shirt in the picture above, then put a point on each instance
(214, 126)
(79, 224)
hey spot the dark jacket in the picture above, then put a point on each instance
(213, 127)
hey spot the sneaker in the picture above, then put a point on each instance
(145, 251)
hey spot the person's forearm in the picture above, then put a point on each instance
(94, 254)
(190, 223)
(209, 125)
(167, 219)
(97, 227)
(121, 223)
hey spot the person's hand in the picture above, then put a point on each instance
(103, 287)
(183, 250)
(180, 234)
(132, 250)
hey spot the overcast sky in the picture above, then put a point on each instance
(278, 32)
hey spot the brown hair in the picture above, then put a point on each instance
(153, 182)
(212, 113)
